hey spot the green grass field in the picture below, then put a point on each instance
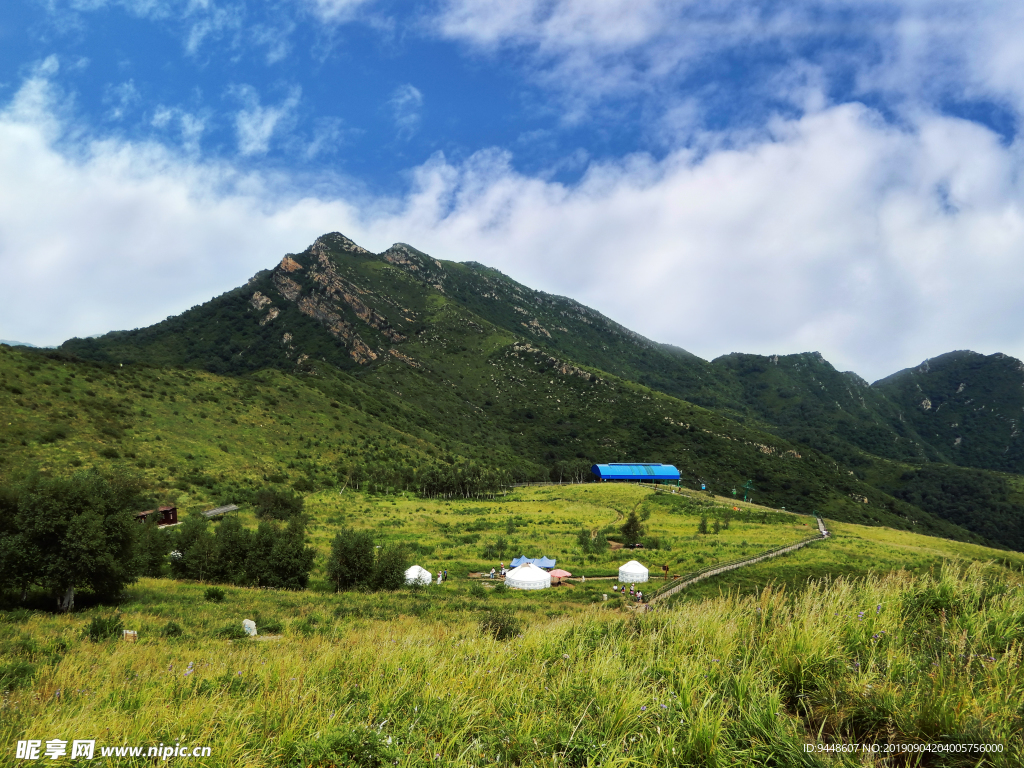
(408, 679)
(872, 636)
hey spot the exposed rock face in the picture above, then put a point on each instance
(536, 327)
(361, 353)
(259, 301)
(427, 269)
(288, 287)
(337, 241)
(562, 367)
(404, 358)
(288, 264)
(336, 287)
(271, 314)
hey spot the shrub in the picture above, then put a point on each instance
(214, 595)
(360, 746)
(477, 590)
(277, 505)
(232, 631)
(390, 566)
(351, 560)
(59, 432)
(110, 453)
(172, 629)
(268, 625)
(501, 589)
(104, 627)
(501, 624)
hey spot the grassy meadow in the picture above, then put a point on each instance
(872, 636)
(472, 536)
(409, 679)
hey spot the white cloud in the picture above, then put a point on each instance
(405, 104)
(255, 125)
(120, 98)
(118, 234)
(876, 245)
(337, 11)
(905, 50)
(190, 126)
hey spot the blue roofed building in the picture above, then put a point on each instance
(646, 473)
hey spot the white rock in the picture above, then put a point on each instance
(250, 627)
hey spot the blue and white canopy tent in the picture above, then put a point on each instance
(541, 562)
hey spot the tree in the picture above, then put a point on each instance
(390, 566)
(291, 560)
(272, 504)
(350, 563)
(702, 526)
(193, 555)
(231, 551)
(71, 533)
(632, 530)
(152, 546)
(261, 550)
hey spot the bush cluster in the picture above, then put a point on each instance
(357, 562)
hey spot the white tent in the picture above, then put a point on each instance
(632, 572)
(417, 575)
(528, 576)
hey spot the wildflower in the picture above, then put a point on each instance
(643, 709)
(878, 609)
(663, 706)
(239, 673)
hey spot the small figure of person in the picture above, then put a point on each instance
(492, 573)
(583, 578)
(446, 574)
(439, 577)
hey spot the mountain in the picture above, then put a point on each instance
(967, 406)
(490, 371)
(10, 343)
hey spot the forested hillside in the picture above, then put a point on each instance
(524, 385)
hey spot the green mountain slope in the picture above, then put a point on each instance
(968, 407)
(485, 369)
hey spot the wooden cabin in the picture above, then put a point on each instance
(165, 515)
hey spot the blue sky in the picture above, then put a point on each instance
(731, 176)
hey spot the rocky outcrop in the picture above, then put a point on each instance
(560, 366)
(259, 301)
(319, 310)
(288, 287)
(404, 358)
(288, 264)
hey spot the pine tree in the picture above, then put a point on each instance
(632, 530)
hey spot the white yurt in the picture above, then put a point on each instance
(417, 575)
(528, 576)
(633, 572)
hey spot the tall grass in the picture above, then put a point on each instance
(738, 680)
